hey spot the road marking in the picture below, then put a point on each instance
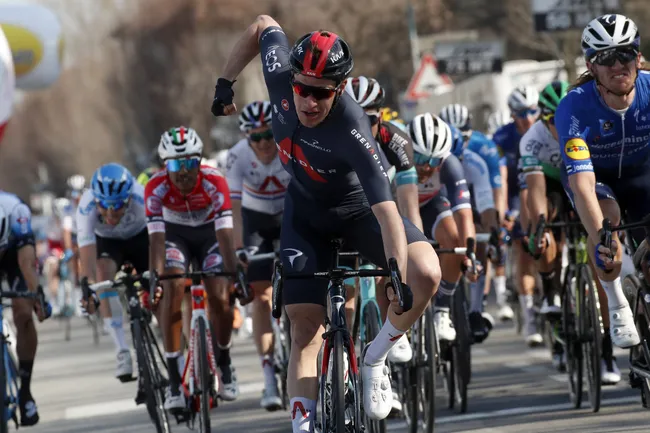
(128, 404)
(527, 410)
(480, 352)
(562, 378)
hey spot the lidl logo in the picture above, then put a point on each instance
(576, 148)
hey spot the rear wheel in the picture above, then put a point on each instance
(461, 349)
(3, 386)
(593, 337)
(639, 355)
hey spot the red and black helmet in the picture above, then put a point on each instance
(322, 54)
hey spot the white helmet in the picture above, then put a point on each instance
(498, 119)
(61, 207)
(431, 135)
(76, 182)
(4, 227)
(523, 98)
(255, 115)
(179, 141)
(609, 31)
(456, 115)
(367, 92)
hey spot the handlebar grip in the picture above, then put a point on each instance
(402, 291)
(471, 253)
(242, 256)
(245, 292)
(153, 283)
(45, 306)
(606, 237)
(276, 297)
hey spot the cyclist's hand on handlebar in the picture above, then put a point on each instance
(392, 297)
(222, 104)
(470, 273)
(606, 257)
(145, 298)
(89, 306)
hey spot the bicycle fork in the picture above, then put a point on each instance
(192, 363)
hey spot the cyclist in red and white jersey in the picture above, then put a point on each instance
(258, 183)
(189, 220)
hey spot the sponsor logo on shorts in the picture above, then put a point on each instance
(174, 255)
(212, 262)
(577, 149)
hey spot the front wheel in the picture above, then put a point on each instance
(592, 338)
(572, 348)
(204, 376)
(371, 327)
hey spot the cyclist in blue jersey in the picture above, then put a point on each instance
(604, 130)
(523, 105)
(17, 267)
(339, 189)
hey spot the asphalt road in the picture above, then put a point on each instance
(513, 389)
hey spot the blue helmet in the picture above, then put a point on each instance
(457, 141)
(112, 183)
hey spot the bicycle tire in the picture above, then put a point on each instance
(204, 375)
(4, 427)
(158, 381)
(639, 353)
(338, 384)
(411, 394)
(371, 325)
(461, 349)
(143, 364)
(591, 347)
(572, 347)
(427, 371)
(282, 351)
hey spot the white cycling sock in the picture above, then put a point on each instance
(388, 336)
(614, 290)
(302, 414)
(476, 296)
(269, 372)
(114, 328)
(500, 289)
(526, 303)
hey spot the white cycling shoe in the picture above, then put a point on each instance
(506, 313)
(124, 367)
(444, 325)
(271, 400)
(551, 309)
(401, 352)
(622, 328)
(609, 376)
(377, 390)
(173, 402)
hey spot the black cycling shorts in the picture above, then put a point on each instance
(134, 250)
(433, 212)
(307, 231)
(10, 270)
(263, 231)
(196, 246)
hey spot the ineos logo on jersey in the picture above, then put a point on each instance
(272, 59)
(284, 151)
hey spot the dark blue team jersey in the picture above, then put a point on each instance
(337, 159)
(507, 139)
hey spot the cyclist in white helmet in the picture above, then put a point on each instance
(458, 116)
(258, 184)
(496, 120)
(445, 207)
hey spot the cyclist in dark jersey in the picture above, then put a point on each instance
(339, 188)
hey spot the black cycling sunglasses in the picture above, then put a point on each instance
(259, 136)
(319, 93)
(609, 57)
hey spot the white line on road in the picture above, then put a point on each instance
(527, 410)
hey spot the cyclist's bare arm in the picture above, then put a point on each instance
(583, 185)
(409, 207)
(537, 204)
(88, 258)
(157, 252)
(247, 47)
(489, 219)
(237, 224)
(500, 200)
(392, 233)
(465, 224)
(504, 187)
(67, 240)
(27, 265)
(227, 249)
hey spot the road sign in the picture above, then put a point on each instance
(558, 15)
(470, 57)
(427, 81)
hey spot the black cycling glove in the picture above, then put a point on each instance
(223, 95)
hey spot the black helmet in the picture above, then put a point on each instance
(322, 54)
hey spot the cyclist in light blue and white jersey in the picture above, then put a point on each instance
(111, 226)
(604, 130)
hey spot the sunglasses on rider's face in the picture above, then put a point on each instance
(175, 165)
(420, 159)
(259, 136)
(374, 117)
(305, 91)
(112, 204)
(523, 114)
(609, 57)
